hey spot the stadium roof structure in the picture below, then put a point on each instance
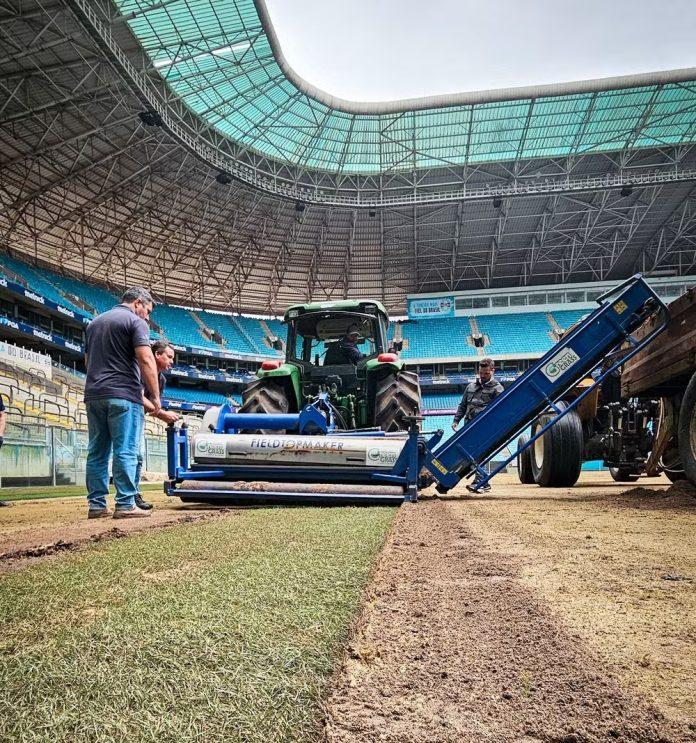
(169, 142)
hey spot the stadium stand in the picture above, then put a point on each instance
(443, 338)
(97, 298)
(254, 332)
(195, 395)
(179, 326)
(229, 329)
(524, 333)
(566, 318)
(442, 401)
(36, 280)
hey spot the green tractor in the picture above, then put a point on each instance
(366, 384)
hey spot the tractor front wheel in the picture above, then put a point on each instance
(398, 395)
(264, 396)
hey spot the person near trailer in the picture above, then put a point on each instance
(164, 359)
(477, 395)
(119, 362)
(3, 423)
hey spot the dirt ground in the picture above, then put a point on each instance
(529, 615)
(35, 529)
(524, 615)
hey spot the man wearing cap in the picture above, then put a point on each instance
(479, 393)
(346, 350)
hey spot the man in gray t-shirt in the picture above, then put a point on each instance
(119, 362)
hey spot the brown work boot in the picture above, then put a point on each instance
(131, 513)
(98, 513)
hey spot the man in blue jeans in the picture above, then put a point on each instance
(119, 362)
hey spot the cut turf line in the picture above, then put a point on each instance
(60, 491)
(225, 630)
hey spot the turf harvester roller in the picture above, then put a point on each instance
(237, 457)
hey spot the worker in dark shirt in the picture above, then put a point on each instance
(346, 350)
(477, 395)
(164, 359)
(3, 423)
(119, 362)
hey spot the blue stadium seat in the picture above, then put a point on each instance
(446, 401)
(38, 280)
(566, 318)
(184, 394)
(180, 328)
(442, 338)
(526, 332)
(228, 330)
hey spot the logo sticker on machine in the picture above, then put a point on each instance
(209, 448)
(559, 364)
(380, 456)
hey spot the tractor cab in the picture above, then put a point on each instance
(318, 333)
(331, 342)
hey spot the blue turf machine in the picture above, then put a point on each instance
(312, 461)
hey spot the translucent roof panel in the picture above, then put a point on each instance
(216, 56)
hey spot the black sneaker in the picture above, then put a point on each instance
(4, 503)
(140, 503)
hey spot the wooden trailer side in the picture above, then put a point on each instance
(664, 367)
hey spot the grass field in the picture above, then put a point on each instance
(226, 630)
(60, 491)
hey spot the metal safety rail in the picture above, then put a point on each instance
(621, 311)
(422, 460)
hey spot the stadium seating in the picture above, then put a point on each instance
(278, 328)
(526, 332)
(441, 401)
(446, 338)
(96, 297)
(566, 318)
(36, 280)
(442, 338)
(179, 327)
(229, 330)
(186, 394)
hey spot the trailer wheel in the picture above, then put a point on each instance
(264, 396)
(524, 462)
(397, 395)
(622, 474)
(557, 455)
(687, 431)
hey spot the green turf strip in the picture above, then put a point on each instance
(60, 491)
(221, 631)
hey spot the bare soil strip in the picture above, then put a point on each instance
(616, 564)
(453, 646)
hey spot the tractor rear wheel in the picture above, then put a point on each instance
(687, 431)
(524, 462)
(557, 455)
(264, 396)
(398, 395)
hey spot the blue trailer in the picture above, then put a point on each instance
(320, 464)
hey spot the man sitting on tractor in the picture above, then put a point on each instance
(346, 350)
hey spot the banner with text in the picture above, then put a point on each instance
(38, 363)
(419, 309)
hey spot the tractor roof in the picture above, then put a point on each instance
(345, 305)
